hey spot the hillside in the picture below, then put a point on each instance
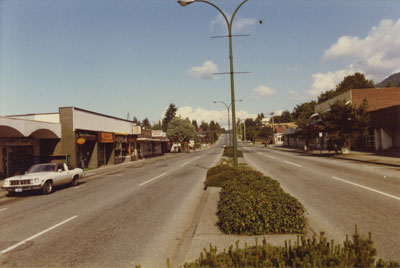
(394, 79)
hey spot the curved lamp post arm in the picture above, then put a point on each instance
(236, 10)
(220, 10)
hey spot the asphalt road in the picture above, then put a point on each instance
(132, 216)
(339, 194)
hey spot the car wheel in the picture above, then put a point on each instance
(75, 181)
(47, 187)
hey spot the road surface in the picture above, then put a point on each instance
(339, 194)
(132, 216)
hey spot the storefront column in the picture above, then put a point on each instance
(94, 158)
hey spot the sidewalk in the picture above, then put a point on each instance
(388, 159)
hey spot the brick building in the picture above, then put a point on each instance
(382, 103)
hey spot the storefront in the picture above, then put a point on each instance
(93, 139)
(121, 148)
(24, 142)
(106, 148)
(86, 143)
(17, 155)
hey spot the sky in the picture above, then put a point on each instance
(120, 57)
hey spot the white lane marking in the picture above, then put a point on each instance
(37, 235)
(188, 162)
(297, 165)
(146, 182)
(117, 175)
(267, 155)
(2, 209)
(365, 187)
(184, 164)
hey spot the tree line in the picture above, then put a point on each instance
(183, 130)
(344, 125)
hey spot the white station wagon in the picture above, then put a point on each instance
(44, 177)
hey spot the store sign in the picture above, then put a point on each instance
(136, 130)
(105, 137)
(80, 141)
(157, 133)
(16, 142)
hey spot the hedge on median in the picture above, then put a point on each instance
(228, 152)
(219, 175)
(253, 204)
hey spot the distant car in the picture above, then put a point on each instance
(44, 177)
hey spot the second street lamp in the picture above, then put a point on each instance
(229, 24)
(229, 123)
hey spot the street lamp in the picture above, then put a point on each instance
(273, 129)
(229, 24)
(229, 123)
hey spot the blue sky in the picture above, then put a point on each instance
(130, 56)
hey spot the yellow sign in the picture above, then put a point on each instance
(80, 141)
(105, 137)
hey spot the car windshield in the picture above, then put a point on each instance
(42, 168)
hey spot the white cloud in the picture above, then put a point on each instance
(376, 55)
(264, 91)
(220, 116)
(205, 71)
(327, 81)
(241, 25)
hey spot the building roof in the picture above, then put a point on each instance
(378, 98)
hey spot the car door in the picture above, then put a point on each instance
(62, 174)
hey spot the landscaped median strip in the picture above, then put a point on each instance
(37, 235)
(367, 188)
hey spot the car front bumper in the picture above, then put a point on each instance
(21, 188)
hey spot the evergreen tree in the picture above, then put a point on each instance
(169, 115)
(146, 123)
(194, 123)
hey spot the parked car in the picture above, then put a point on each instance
(44, 177)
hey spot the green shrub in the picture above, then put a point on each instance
(360, 252)
(228, 152)
(220, 179)
(218, 169)
(253, 204)
(217, 176)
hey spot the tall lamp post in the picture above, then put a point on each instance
(229, 123)
(229, 24)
